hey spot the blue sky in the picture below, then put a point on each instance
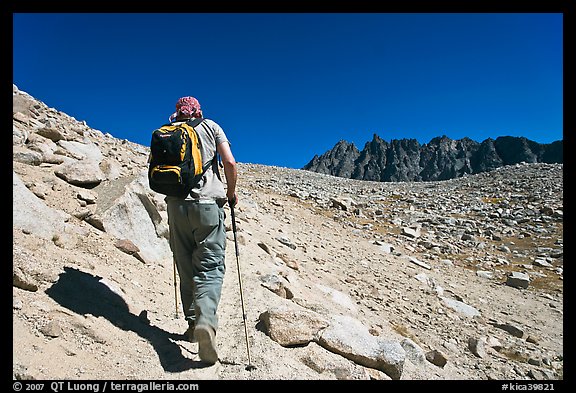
(287, 86)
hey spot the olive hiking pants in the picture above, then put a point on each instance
(198, 244)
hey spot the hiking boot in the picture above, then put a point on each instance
(190, 333)
(206, 338)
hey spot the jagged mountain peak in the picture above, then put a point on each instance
(440, 159)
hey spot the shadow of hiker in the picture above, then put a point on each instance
(84, 293)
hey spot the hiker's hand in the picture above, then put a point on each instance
(233, 201)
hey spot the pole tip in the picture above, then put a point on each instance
(250, 367)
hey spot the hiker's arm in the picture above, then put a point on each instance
(230, 169)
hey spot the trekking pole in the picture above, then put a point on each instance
(249, 367)
(175, 290)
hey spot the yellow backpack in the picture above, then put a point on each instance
(175, 162)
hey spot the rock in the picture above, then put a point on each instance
(460, 307)
(477, 346)
(349, 338)
(518, 280)
(292, 325)
(436, 357)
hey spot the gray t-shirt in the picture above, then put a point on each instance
(211, 186)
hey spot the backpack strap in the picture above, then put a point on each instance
(194, 123)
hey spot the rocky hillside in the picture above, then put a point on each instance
(440, 159)
(342, 279)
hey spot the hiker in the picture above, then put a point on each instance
(198, 234)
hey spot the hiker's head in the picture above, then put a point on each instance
(186, 107)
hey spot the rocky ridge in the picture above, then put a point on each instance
(342, 279)
(440, 159)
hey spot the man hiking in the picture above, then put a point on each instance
(197, 231)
